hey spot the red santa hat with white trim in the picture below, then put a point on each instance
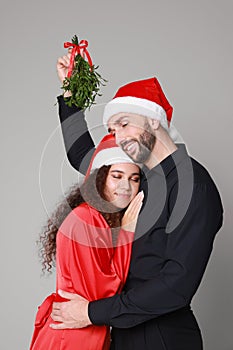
(107, 153)
(144, 97)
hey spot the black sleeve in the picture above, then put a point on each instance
(187, 253)
(78, 141)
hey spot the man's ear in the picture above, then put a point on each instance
(154, 123)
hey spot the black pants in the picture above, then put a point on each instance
(174, 331)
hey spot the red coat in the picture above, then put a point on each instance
(87, 264)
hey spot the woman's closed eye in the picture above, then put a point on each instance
(135, 179)
(116, 176)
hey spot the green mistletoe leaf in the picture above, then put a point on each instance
(84, 82)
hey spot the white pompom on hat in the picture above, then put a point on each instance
(143, 97)
(107, 153)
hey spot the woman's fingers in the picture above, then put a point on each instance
(130, 217)
(135, 204)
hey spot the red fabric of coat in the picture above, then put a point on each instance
(87, 264)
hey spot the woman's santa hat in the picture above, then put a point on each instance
(144, 97)
(107, 153)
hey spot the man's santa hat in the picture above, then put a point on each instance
(144, 97)
(107, 153)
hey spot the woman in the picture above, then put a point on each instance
(92, 245)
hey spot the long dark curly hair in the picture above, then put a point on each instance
(91, 191)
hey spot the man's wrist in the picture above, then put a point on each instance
(64, 110)
(87, 314)
(99, 311)
(67, 94)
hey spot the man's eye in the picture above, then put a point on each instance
(124, 124)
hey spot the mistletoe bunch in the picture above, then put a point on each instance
(84, 82)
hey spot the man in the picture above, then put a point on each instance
(175, 232)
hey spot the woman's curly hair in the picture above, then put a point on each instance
(92, 192)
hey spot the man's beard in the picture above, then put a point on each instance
(146, 144)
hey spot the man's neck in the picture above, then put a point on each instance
(162, 149)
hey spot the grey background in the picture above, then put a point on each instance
(188, 46)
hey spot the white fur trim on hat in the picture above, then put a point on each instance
(130, 104)
(109, 156)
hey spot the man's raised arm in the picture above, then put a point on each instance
(78, 141)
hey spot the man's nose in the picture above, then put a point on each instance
(119, 136)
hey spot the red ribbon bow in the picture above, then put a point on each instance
(80, 49)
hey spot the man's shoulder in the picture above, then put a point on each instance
(200, 173)
(189, 166)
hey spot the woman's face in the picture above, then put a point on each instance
(122, 184)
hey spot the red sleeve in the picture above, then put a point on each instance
(94, 268)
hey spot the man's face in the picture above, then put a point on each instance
(133, 134)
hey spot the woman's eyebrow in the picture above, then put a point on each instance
(117, 171)
(122, 172)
